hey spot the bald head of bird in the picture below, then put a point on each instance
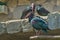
(33, 7)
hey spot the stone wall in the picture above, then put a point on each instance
(14, 26)
(54, 20)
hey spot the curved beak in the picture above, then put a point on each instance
(33, 6)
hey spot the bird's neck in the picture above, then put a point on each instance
(31, 16)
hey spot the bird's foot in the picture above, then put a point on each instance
(38, 33)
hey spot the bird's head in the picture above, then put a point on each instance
(33, 6)
(42, 10)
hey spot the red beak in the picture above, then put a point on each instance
(33, 6)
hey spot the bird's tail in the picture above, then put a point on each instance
(48, 28)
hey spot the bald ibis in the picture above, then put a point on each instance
(25, 12)
(41, 10)
(28, 10)
(37, 22)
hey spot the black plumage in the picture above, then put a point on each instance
(25, 12)
(41, 10)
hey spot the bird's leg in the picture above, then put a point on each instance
(38, 32)
(45, 32)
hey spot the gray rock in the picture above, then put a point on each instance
(1, 28)
(54, 21)
(27, 27)
(14, 27)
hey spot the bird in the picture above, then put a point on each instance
(37, 22)
(41, 10)
(28, 10)
(25, 12)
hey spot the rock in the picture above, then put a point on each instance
(1, 28)
(13, 27)
(54, 20)
(27, 27)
